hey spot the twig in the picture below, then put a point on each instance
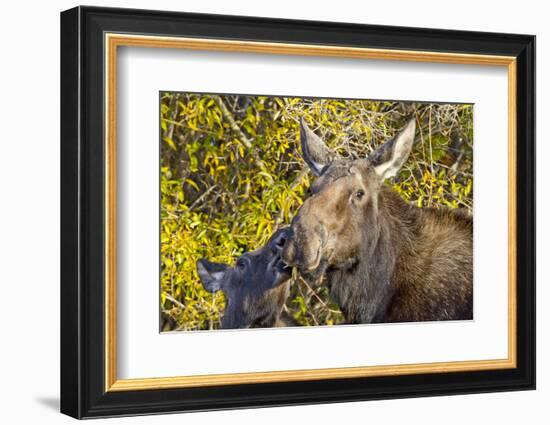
(241, 136)
(174, 301)
(174, 108)
(200, 198)
(180, 124)
(298, 180)
(318, 297)
(232, 123)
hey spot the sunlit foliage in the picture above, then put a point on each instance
(232, 173)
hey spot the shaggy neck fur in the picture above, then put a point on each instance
(415, 264)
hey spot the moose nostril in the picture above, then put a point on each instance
(278, 244)
(278, 241)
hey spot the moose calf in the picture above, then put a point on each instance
(384, 260)
(255, 289)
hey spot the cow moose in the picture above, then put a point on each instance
(383, 259)
(256, 288)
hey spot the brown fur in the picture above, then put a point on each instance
(432, 276)
(384, 260)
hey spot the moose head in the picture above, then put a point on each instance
(255, 288)
(333, 225)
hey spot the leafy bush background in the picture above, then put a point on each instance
(232, 173)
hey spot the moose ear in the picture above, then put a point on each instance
(390, 157)
(316, 154)
(211, 274)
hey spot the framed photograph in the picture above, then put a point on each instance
(261, 212)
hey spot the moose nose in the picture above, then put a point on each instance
(288, 250)
(278, 242)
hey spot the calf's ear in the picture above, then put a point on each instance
(388, 159)
(212, 275)
(316, 154)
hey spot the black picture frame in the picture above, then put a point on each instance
(83, 392)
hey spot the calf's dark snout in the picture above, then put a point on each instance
(279, 240)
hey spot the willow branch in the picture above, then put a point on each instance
(228, 116)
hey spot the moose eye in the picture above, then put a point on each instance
(241, 264)
(359, 194)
